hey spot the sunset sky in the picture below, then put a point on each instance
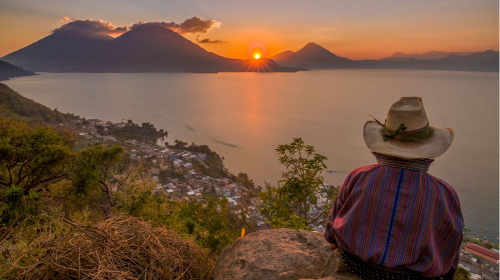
(358, 29)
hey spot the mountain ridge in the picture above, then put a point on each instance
(486, 61)
(147, 48)
(427, 55)
(8, 71)
(312, 56)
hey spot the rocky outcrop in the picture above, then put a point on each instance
(280, 254)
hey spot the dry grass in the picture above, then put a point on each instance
(120, 247)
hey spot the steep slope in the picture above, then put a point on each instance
(312, 56)
(20, 108)
(153, 48)
(62, 51)
(8, 71)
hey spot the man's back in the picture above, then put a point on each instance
(395, 215)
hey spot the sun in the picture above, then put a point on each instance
(257, 53)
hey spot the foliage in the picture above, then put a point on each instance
(94, 168)
(146, 132)
(17, 204)
(203, 149)
(289, 202)
(292, 221)
(247, 182)
(137, 199)
(30, 160)
(209, 224)
(179, 145)
(462, 274)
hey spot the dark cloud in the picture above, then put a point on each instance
(198, 25)
(192, 25)
(208, 41)
(89, 25)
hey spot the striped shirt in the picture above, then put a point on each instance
(397, 216)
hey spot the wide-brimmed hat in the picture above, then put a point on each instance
(406, 132)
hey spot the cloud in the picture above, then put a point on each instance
(65, 19)
(198, 25)
(89, 25)
(137, 24)
(208, 41)
(192, 25)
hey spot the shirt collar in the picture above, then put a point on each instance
(421, 164)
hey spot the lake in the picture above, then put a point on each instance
(245, 116)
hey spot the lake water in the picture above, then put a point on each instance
(245, 116)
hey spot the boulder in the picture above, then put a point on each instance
(280, 254)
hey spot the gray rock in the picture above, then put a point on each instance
(280, 254)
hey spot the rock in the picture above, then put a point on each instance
(327, 278)
(280, 254)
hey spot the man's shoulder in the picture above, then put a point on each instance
(443, 185)
(363, 169)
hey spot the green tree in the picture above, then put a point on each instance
(247, 182)
(30, 160)
(212, 225)
(180, 144)
(462, 274)
(289, 202)
(94, 168)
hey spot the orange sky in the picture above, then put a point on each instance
(355, 29)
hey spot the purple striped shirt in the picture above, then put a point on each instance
(395, 215)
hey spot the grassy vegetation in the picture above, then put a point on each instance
(15, 106)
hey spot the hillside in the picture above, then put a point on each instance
(59, 52)
(147, 48)
(15, 106)
(8, 71)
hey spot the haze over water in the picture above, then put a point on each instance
(245, 116)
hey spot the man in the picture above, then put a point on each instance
(393, 220)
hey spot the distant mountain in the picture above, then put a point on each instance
(487, 61)
(8, 71)
(147, 48)
(312, 56)
(428, 55)
(62, 51)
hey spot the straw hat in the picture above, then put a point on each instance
(406, 132)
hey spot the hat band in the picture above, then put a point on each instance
(402, 134)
